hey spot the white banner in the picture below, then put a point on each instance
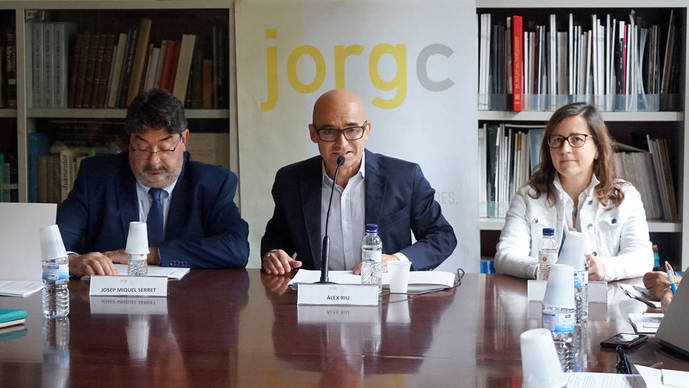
(413, 65)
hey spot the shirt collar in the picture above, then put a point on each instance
(168, 189)
(362, 169)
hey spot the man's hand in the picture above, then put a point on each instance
(596, 270)
(276, 285)
(118, 256)
(658, 284)
(278, 262)
(384, 259)
(94, 263)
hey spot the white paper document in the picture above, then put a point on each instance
(634, 292)
(663, 377)
(603, 380)
(21, 288)
(154, 270)
(418, 280)
(645, 323)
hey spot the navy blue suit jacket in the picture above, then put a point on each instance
(203, 229)
(398, 198)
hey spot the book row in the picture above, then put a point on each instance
(73, 69)
(618, 64)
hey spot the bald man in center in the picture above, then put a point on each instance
(370, 189)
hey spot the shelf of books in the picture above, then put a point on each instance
(116, 113)
(8, 108)
(84, 66)
(628, 62)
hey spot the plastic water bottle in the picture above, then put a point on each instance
(55, 292)
(561, 323)
(371, 255)
(55, 370)
(547, 253)
(559, 311)
(581, 290)
(137, 265)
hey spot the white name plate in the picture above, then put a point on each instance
(338, 294)
(598, 291)
(128, 306)
(128, 286)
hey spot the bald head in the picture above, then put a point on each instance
(338, 102)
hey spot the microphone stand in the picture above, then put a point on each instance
(325, 252)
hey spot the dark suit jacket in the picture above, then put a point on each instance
(203, 229)
(398, 198)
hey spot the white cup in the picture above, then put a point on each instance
(540, 364)
(399, 276)
(560, 289)
(137, 239)
(52, 246)
(573, 252)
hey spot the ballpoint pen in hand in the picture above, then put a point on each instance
(671, 275)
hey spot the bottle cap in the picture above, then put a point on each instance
(371, 228)
(548, 232)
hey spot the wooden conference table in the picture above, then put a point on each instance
(243, 328)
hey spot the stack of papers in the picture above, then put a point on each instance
(418, 280)
(633, 292)
(21, 288)
(663, 377)
(154, 270)
(645, 323)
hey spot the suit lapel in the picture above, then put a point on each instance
(127, 200)
(310, 193)
(179, 201)
(375, 188)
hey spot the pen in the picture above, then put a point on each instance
(671, 275)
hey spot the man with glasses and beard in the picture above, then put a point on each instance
(188, 206)
(371, 189)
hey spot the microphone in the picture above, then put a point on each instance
(325, 252)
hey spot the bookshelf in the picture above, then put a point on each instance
(211, 21)
(667, 124)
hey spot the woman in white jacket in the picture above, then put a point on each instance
(575, 188)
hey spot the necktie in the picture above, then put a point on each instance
(154, 222)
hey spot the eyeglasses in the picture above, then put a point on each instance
(575, 140)
(350, 133)
(165, 148)
(622, 365)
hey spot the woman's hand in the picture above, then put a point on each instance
(596, 270)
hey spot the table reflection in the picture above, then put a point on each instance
(345, 343)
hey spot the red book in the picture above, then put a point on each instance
(517, 32)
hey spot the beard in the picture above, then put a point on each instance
(154, 180)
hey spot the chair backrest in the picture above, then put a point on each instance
(20, 246)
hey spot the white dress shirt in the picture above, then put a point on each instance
(618, 236)
(347, 219)
(144, 201)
